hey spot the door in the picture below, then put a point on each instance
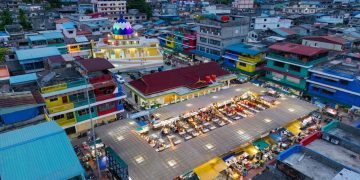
(64, 99)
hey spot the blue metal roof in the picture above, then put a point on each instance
(24, 78)
(38, 37)
(41, 151)
(28, 54)
(4, 34)
(68, 25)
(207, 55)
(80, 39)
(53, 35)
(243, 49)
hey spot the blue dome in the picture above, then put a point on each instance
(122, 27)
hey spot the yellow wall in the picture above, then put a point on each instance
(247, 68)
(54, 103)
(253, 59)
(65, 121)
(170, 42)
(73, 48)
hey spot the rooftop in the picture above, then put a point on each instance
(337, 153)
(58, 76)
(284, 31)
(24, 78)
(46, 36)
(327, 39)
(96, 64)
(28, 54)
(309, 163)
(192, 153)
(341, 68)
(41, 151)
(243, 49)
(297, 49)
(4, 72)
(192, 77)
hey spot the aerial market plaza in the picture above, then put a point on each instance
(179, 90)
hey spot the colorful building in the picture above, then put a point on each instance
(335, 82)
(172, 86)
(70, 92)
(123, 47)
(288, 64)
(181, 40)
(245, 58)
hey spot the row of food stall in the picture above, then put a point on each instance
(257, 153)
(171, 132)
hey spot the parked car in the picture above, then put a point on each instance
(119, 79)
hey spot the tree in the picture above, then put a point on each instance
(5, 18)
(24, 20)
(3, 53)
(141, 5)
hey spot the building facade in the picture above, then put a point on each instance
(288, 64)
(70, 92)
(123, 46)
(303, 7)
(213, 35)
(243, 4)
(246, 58)
(111, 6)
(326, 42)
(336, 82)
(172, 86)
(270, 23)
(181, 40)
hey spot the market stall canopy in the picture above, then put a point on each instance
(210, 169)
(294, 127)
(261, 144)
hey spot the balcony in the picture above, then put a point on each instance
(66, 122)
(104, 97)
(296, 60)
(84, 102)
(60, 108)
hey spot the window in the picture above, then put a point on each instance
(70, 115)
(344, 82)
(202, 39)
(85, 111)
(315, 44)
(242, 64)
(265, 19)
(293, 80)
(264, 26)
(278, 25)
(327, 92)
(214, 42)
(70, 32)
(279, 64)
(53, 99)
(61, 116)
(106, 106)
(295, 68)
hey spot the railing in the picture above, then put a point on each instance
(76, 83)
(296, 60)
(53, 88)
(84, 102)
(61, 108)
(66, 122)
(102, 78)
(104, 97)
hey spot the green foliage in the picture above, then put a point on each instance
(24, 20)
(141, 5)
(3, 53)
(55, 4)
(5, 18)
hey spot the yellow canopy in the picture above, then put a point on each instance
(294, 127)
(269, 140)
(251, 149)
(210, 169)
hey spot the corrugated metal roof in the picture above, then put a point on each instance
(53, 35)
(96, 64)
(26, 54)
(23, 78)
(41, 151)
(243, 49)
(38, 37)
(80, 39)
(69, 25)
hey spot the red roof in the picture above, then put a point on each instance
(16, 99)
(192, 77)
(83, 32)
(287, 30)
(56, 59)
(62, 20)
(96, 64)
(327, 39)
(297, 49)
